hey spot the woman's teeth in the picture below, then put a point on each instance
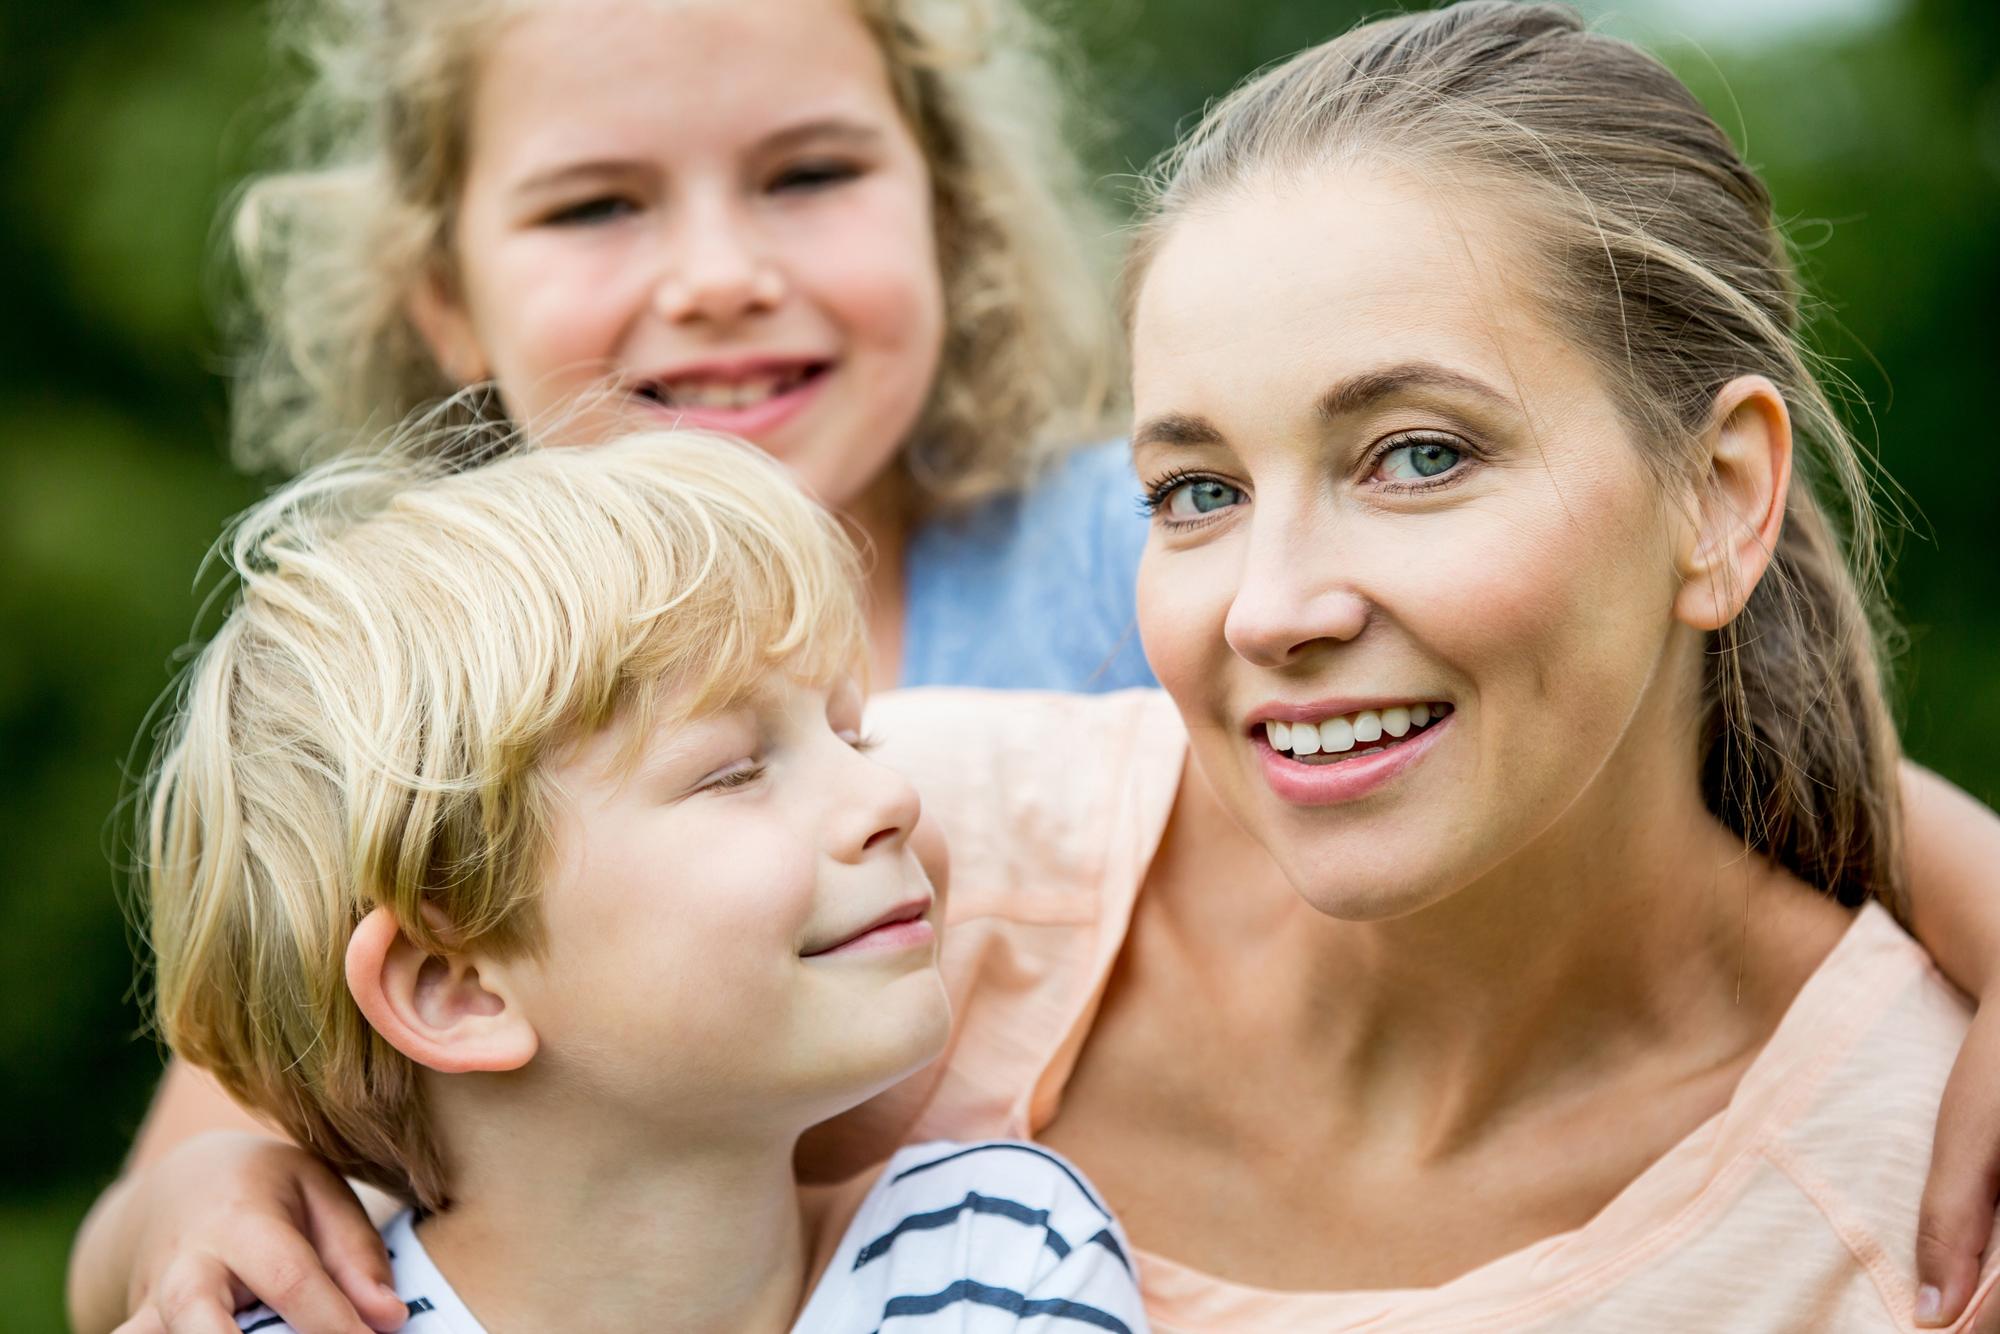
(724, 394)
(1333, 736)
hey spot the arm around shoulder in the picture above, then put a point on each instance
(213, 1210)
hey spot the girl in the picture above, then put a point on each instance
(510, 326)
(846, 230)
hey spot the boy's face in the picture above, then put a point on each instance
(738, 933)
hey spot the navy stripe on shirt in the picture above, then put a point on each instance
(1010, 1146)
(1006, 1299)
(974, 1203)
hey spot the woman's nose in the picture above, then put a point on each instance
(1291, 595)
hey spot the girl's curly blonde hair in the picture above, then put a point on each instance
(331, 246)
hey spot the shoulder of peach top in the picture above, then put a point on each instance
(1038, 793)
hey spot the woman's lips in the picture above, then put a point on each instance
(1349, 778)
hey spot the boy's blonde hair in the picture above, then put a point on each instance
(371, 725)
(332, 248)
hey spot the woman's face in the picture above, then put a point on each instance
(1402, 532)
(696, 212)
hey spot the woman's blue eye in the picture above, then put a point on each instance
(1196, 498)
(1418, 462)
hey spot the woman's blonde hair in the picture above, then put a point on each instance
(331, 247)
(370, 727)
(1655, 250)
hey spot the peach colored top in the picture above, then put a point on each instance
(1792, 1209)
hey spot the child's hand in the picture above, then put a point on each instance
(1957, 1215)
(229, 1218)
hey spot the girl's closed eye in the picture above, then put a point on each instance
(592, 211)
(813, 174)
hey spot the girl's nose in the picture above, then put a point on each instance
(717, 274)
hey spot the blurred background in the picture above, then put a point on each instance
(124, 124)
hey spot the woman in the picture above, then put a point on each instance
(1498, 626)
(1488, 580)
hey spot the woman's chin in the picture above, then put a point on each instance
(1355, 894)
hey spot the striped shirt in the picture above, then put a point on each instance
(975, 1239)
(952, 1239)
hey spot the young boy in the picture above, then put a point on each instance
(513, 848)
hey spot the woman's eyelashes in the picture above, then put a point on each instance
(1419, 461)
(1183, 497)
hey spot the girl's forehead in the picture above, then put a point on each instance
(698, 64)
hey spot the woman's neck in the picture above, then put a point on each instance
(692, 1236)
(1631, 938)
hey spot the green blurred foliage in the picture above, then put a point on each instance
(123, 125)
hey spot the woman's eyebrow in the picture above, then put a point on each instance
(1370, 387)
(1176, 428)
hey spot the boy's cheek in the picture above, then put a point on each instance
(933, 854)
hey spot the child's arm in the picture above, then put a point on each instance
(212, 1208)
(1953, 872)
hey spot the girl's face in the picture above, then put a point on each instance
(704, 212)
(1409, 578)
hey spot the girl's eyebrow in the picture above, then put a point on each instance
(594, 169)
(825, 129)
(840, 129)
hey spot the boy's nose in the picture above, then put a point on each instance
(883, 810)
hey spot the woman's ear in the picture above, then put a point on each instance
(441, 1011)
(1739, 502)
(437, 310)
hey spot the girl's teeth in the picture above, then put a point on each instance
(1305, 739)
(1278, 734)
(1336, 734)
(1396, 721)
(726, 395)
(1419, 714)
(1367, 726)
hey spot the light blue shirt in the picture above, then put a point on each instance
(1033, 590)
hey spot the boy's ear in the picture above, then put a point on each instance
(439, 314)
(440, 1011)
(1739, 503)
